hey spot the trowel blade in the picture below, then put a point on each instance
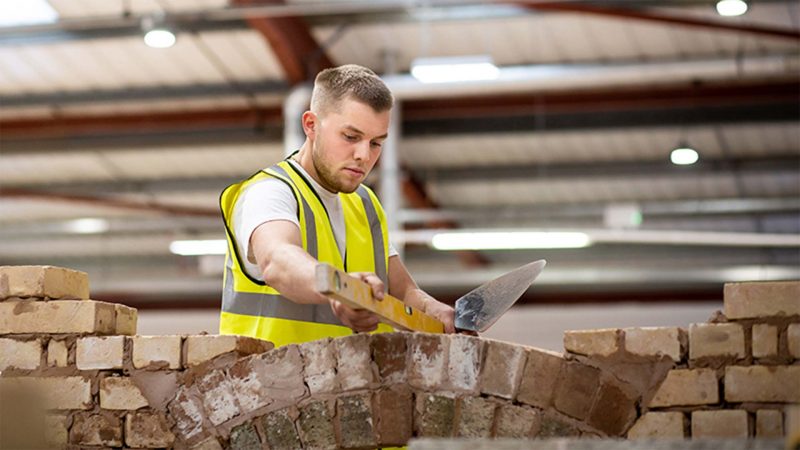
(481, 307)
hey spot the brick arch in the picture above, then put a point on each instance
(365, 391)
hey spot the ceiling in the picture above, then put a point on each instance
(592, 98)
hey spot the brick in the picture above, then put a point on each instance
(245, 437)
(769, 423)
(723, 339)
(464, 362)
(354, 364)
(187, 412)
(502, 369)
(202, 348)
(476, 417)
(556, 427)
(54, 392)
(283, 375)
(45, 282)
(280, 430)
(762, 299)
(517, 421)
(427, 369)
(434, 415)
(576, 390)
(719, 424)
(687, 387)
(61, 317)
(156, 351)
(793, 339)
(658, 425)
(96, 429)
(319, 363)
(5, 290)
(92, 353)
(542, 370)
(316, 425)
(771, 384)
(219, 400)
(765, 340)
(389, 352)
(120, 393)
(57, 353)
(147, 430)
(56, 433)
(614, 411)
(654, 341)
(23, 355)
(246, 376)
(210, 443)
(126, 319)
(354, 413)
(602, 342)
(394, 412)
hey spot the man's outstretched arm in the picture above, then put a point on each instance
(287, 267)
(402, 286)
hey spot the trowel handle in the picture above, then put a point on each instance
(355, 293)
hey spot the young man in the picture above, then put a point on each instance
(312, 207)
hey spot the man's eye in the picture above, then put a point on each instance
(350, 137)
(377, 144)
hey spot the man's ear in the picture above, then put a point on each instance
(309, 121)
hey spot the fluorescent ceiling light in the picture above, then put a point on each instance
(87, 226)
(160, 38)
(509, 240)
(731, 8)
(199, 247)
(452, 69)
(684, 156)
(26, 12)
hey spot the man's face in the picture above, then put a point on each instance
(347, 144)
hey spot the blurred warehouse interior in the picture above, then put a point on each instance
(112, 150)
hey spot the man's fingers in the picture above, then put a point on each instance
(373, 281)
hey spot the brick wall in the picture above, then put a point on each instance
(73, 368)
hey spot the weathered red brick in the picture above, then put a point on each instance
(354, 365)
(320, 366)
(187, 411)
(354, 414)
(389, 352)
(476, 417)
(428, 361)
(279, 427)
(464, 362)
(614, 411)
(394, 411)
(434, 415)
(576, 390)
(96, 429)
(502, 369)
(316, 425)
(218, 398)
(147, 430)
(517, 421)
(542, 371)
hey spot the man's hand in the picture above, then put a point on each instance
(360, 320)
(432, 307)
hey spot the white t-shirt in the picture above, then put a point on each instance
(271, 199)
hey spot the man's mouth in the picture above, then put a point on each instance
(354, 171)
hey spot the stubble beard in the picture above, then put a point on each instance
(326, 177)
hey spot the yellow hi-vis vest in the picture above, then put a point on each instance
(252, 308)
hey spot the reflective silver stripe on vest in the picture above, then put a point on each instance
(377, 235)
(274, 305)
(308, 215)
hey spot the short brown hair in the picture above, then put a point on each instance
(359, 83)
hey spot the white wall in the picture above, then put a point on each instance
(538, 326)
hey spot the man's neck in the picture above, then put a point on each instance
(304, 158)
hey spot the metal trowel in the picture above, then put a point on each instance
(475, 311)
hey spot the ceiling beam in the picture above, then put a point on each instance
(650, 15)
(292, 42)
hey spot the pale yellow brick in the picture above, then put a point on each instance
(685, 387)
(25, 355)
(716, 339)
(161, 351)
(56, 433)
(46, 282)
(793, 339)
(592, 342)
(202, 348)
(92, 353)
(765, 340)
(54, 392)
(121, 393)
(126, 318)
(762, 299)
(719, 424)
(4, 289)
(769, 423)
(658, 425)
(63, 316)
(57, 353)
(770, 384)
(652, 341)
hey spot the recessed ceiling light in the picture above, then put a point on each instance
(684, 156)
(157, 34)
(731, 8)
(26, 12)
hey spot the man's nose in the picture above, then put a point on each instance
(361, 152)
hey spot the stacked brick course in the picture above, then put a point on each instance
(104, 387)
